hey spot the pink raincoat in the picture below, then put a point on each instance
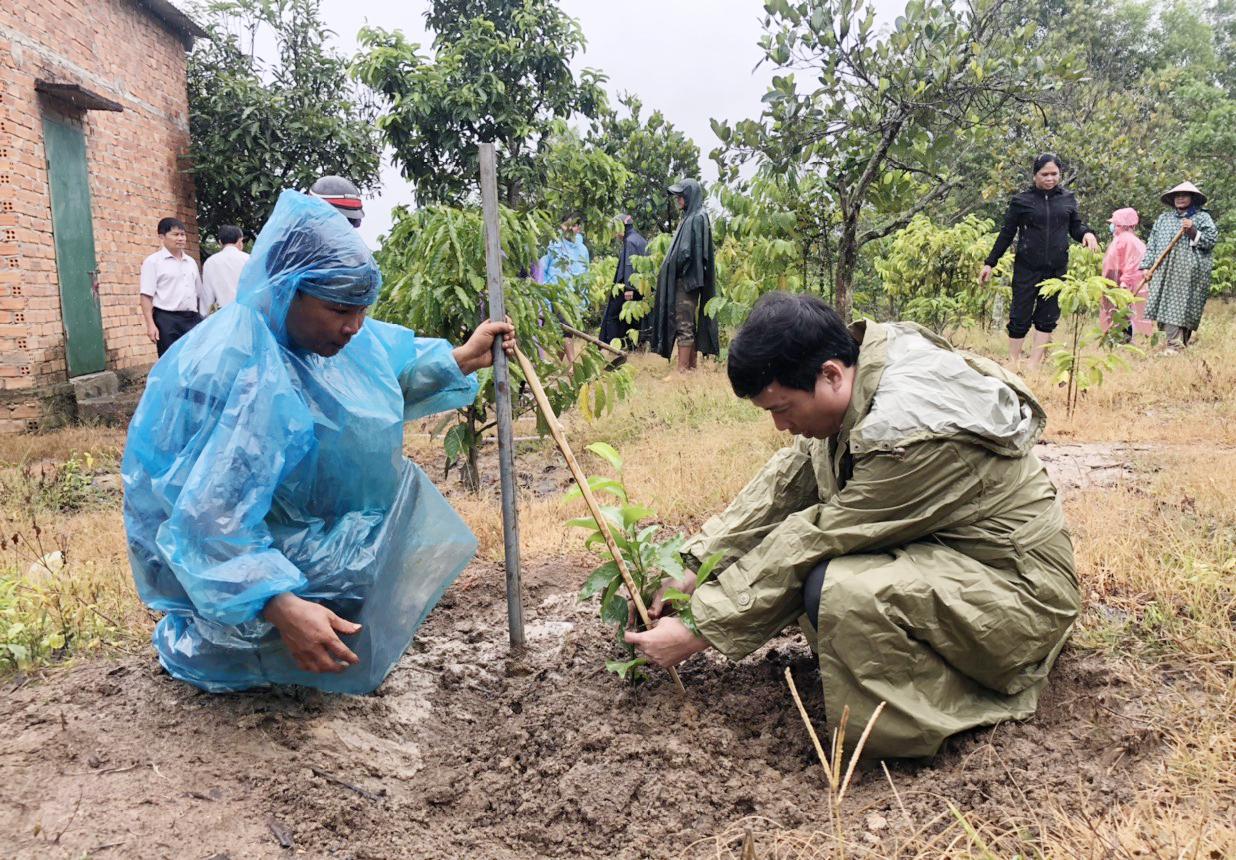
(1120, 264)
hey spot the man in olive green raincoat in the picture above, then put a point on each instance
(685, 283)
(910, 527)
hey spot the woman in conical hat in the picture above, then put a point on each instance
(1181, 285)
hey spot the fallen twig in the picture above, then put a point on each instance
(331, 778)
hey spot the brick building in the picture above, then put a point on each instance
(93, 129)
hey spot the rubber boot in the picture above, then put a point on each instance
(686, 358)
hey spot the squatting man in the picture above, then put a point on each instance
(909, 527)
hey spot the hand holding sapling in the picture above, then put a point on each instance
(667, 644)
(650, 563)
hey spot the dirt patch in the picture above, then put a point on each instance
(468, 751)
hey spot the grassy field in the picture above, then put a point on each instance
(1156, 554)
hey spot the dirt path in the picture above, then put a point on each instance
(468, 752)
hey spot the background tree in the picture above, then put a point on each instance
(928, 273)
(893, 116)
(500, 72)
(655, 154)
(258, 127)
(585, 182)
(433, 267)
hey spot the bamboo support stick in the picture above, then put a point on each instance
(1172, 244)
(581, 480)
(502, 392)
(595, 341)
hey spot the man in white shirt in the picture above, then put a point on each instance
(221, 271)
(172, 296)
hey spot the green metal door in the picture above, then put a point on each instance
(73, 229)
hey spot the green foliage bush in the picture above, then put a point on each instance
(433, 265)
(930, 274)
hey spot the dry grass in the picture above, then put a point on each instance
(61, 444)
(1177, 399)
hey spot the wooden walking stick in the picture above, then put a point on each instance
(555, 430)
(1172, 244)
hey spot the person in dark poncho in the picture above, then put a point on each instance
(686, 283)
(633, 245)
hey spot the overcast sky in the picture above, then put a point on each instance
(693, 59)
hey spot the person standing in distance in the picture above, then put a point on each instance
(172, 296)
(1041, 218)
(221, 271)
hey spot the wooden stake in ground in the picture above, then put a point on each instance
(556, 431)
(502, 392)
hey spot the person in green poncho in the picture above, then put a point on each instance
(1180, 287)
(685, 283)
(909, 527)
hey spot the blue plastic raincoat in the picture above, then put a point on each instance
(566, 259)
(254, 468)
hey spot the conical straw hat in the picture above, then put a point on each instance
(1184, 188)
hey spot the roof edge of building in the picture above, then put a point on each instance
(175, 20)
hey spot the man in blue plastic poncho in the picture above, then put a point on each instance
(268, 506)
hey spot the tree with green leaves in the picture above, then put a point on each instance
(655, 154)
(499, 72)
(892, 116)
(928, 273)
(257, 128)
(433, 268)
(584, 182)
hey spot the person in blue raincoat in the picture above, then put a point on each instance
(270, 513)
(566, 261)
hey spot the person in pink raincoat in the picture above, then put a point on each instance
(1120, 264)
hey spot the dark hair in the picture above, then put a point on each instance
(1045, 159)
(167, 225)
(786, 339)
(230, 234)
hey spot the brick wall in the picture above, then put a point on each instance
(120, 51)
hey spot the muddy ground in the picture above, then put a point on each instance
(468, 751)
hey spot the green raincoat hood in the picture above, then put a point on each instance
(913, 386)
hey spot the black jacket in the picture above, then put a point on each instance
(633, 245)
(1042, 222)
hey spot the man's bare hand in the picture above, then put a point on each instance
(667, 644)
(311, 633)
(985, 275)
(477, 352)
(686, 585)
(1089, 242)
(152, 332)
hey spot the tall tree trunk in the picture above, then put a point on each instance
(847, 260)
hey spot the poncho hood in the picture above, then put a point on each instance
(307, 246)
(913, 386)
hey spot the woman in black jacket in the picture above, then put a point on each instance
(1042, 218)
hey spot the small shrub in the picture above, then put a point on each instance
(63, 488)
(49, 610)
